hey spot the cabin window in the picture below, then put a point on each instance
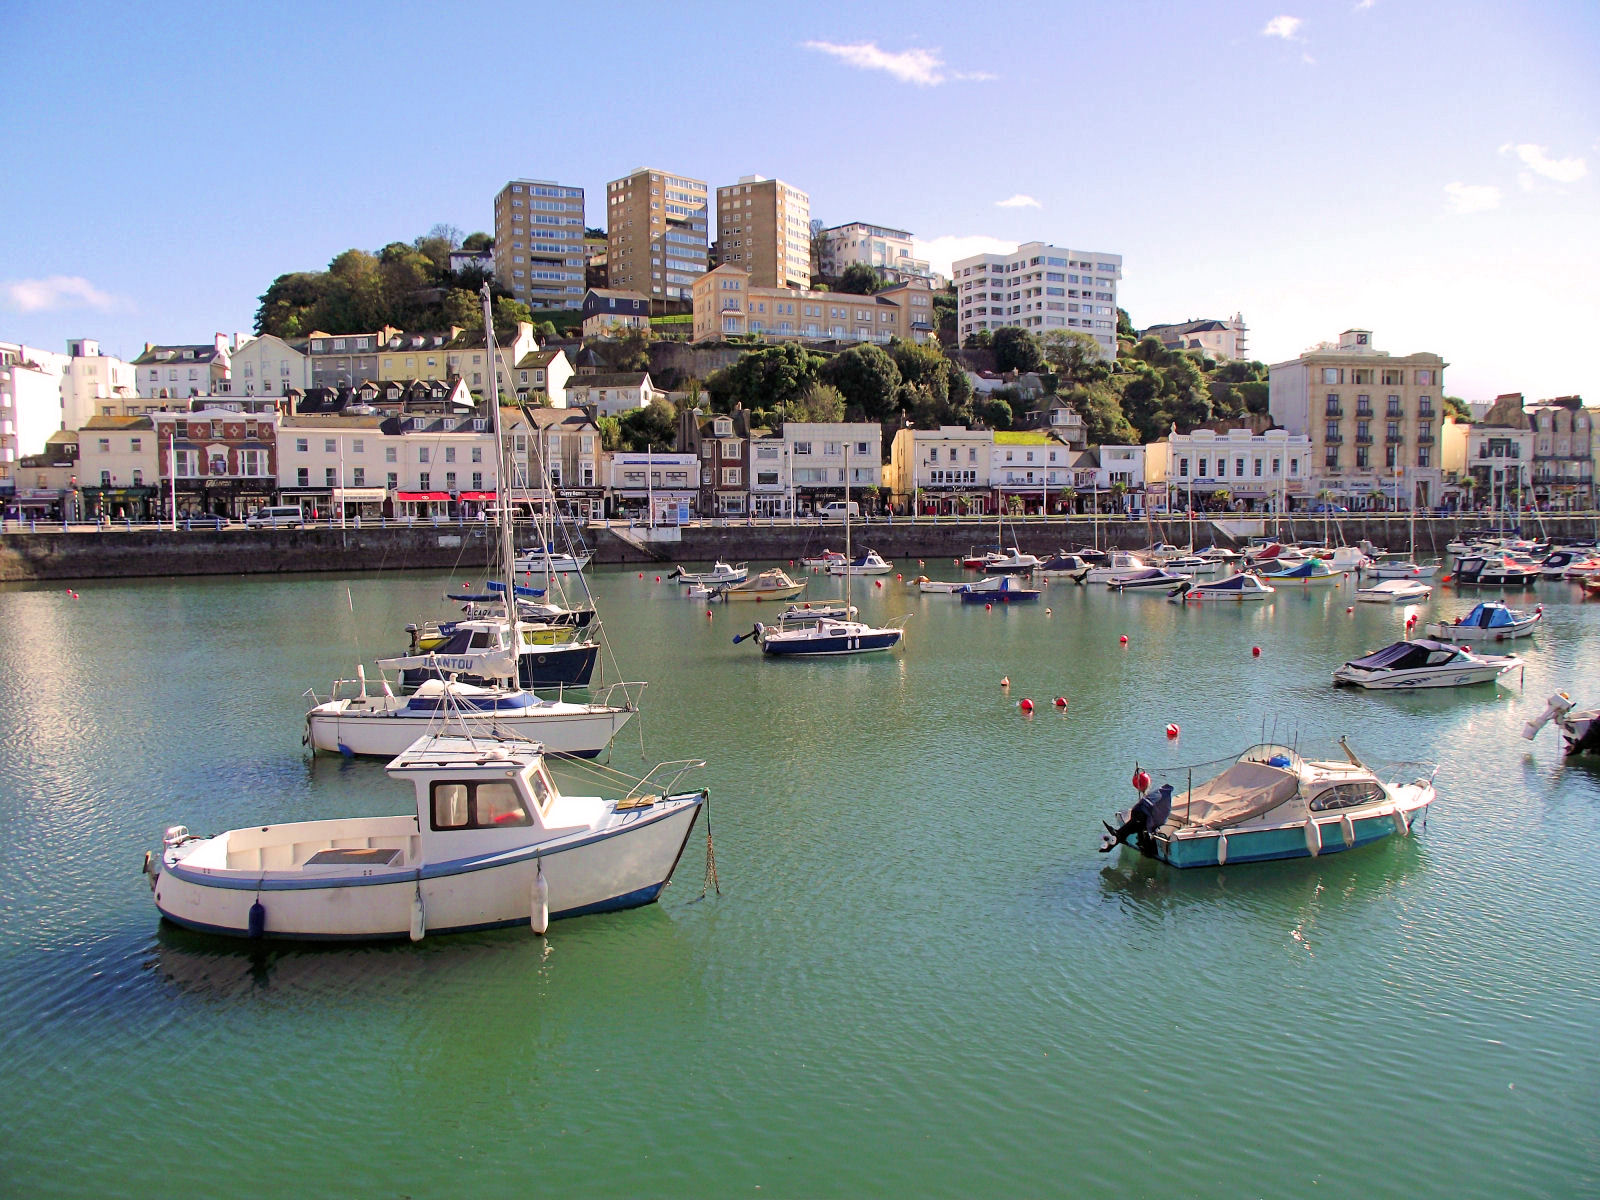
(1346, 795)
(543, 790)
(481, 640)
(489, 804)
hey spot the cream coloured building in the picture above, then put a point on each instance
(891, 252)
(764, 226)
(1373, 420)
(656, 234)
(269, 366)
(726, 303)
(538, 242)
(944, 470)
(1269, 471)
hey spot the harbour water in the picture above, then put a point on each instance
(920, 976)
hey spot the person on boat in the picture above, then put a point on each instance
(1149, 814)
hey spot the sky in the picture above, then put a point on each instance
(1430, 172)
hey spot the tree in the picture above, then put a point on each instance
(629, 350)
(1075, 355)
(994, 411)
(653, 427)
(547, 329)
(820, 402)
(285, 304)
(766, 380)
(867, 378)
(477, 243)
(1016, 350)
(1125, 325)
(1104, 422)
(610, 433)
(1455, 406)
(981, 340)
(859, 279)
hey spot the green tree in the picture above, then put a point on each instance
(287, 302)
(610, 433)
(653, 427)
(1016, 350)
(765, 380)
(819, 402)
(1104, 422)
(1455, 406)
(477, 242)
(859, 279)
(547, 329)
(994, 411)
(981, 340)
(1124, 325)
(1075, 355)
(867, 378)
(629, 350)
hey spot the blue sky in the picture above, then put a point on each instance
(1428, 171)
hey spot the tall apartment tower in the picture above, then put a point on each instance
(538, 243)
(764, 226)
(656, 235)
(1041, 288)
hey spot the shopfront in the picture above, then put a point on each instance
(120, 503)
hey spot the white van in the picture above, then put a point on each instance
(273, 516)
(836, 511)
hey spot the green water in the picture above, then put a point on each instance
(920, 977)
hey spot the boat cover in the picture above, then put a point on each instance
(1312, 568)
(1406, 656)
(1233, 583)
(1243, 791)
(1489, 616)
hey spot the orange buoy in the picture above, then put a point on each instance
(641, 574)
(658, 579)
(1255, 651)
(1026, 705)
(897, 575)
(1141, 781)
(1172, 731)
(708, 614)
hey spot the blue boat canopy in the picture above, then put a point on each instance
(1489, 615)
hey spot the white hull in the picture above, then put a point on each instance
(1422, 677)
(577, 729)
(558, 564)
(621, 865)
(1410, 593)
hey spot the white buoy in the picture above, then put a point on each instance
(539, 914)
(1402, 826)
(1347, 827)
(1222, 850)
(419, 918)
(1313, 838)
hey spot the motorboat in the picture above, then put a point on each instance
(813, 636)
(1145, 580)
(1394, 591)
(1012, 562)
(1310, 572)
(491, 842)
(1119, 562)
(803, 612)
(870, 563)
(1584, 568)
(1591, 586)
(771, 584)
(1580, 728)
(1063, 564)
(975, 560)
(549, 562)
(355, 720)
(923, 584)
(1424, 663)
(1000, 589)
(1346, 558)
(720, 575)
(1490, 621)
(478, 652)
(822, 561)
(1192, 564)
(1401, 568)
(1221, 554)
(1240, 586)
(1272, 803)
(1556, 563)
(1161, 552)
(1483, 570)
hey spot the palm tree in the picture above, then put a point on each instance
(1119, 492)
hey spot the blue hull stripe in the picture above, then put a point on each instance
(1273, 844)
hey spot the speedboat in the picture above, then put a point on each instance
(1001, 589)
(381, 724)
(870, 563)
(1401, 568)
(1424, 663)
(1192, 564)
(1240, 586)
(1394, 591)
(1271, 803)
(1481, 570)
(923, 584)
(548, 562)
(1309, 572)
(1584, 568)
(771, 584)
(1580, 728)
(1556, 563)
(1119, 562)
(720, 575)
(1012, 562)
(1490, 621)
(823, 560)
(1150, 577)
(801, 612)
(1062, 563)
(813, 636)
(491, 842)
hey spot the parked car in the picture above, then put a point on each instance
(274, 516)
(1329, 508)
(836, 511)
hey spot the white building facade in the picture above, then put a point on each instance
(652, 487)
(1040, 288)
(824, 455)
(268, 366)
(1263, 472)
(94, 384)
(941, 471)
(30, 403)
(888, 251)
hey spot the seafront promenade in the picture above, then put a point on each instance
(57, 552)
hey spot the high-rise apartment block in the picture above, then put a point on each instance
(538, 243)
(764, 226)
(887, 251)
(656, 235)
(1040, 288)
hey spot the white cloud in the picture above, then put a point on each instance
(54, 292)
(925, 68)
(1361, 4)
(942, 251)
(1018, 201)
(1472, 197)
(1287, 28)
(1538, 160)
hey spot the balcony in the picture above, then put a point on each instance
(1426, 411)
(1364, 410)
(1363, 439)
(1333, 410)
(1334, 439)
(1394, 439)
(1394, 414)
(1424, 439)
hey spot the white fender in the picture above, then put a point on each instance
(1347, 827)
(419, 918)
(1222, 849)
(539, 914)
(1313, 837)
(1402, 826)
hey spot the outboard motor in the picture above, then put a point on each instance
(1559, 705)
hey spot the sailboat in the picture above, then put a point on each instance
(469, 681)
(1406, 568)
(814, 635)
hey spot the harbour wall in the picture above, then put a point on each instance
(90, 553)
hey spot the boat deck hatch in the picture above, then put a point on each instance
(356, 856)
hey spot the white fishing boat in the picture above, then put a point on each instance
(1238, 587)
(823, 560)
(1580, 728)
(1492, 570)
(1490, 621)
(923, 584)
(1120, 562)
(721, 575)
(1149, 579)
(1401, 568)
(1424, 663)
(1272, 803)
(771, 584)
(355, 720)
(1394, 591)
(870, 563)
(550, 562)
(491, 842)
(1012, 561)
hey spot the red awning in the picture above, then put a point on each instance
(439, 497)
(477, 495)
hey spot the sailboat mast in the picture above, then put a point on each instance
(502, 489)
(849, 562)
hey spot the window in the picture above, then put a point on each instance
(477, 481)
(422, 454)
(302, 445)
(477, 454)
(391, 454)
(393, 481)
(731, 476)
(424, 481)
(303, 476)
(359, 477)
(1183, 468)
(481, 804)
(358, 446)
(330, 477)
(449, 454)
